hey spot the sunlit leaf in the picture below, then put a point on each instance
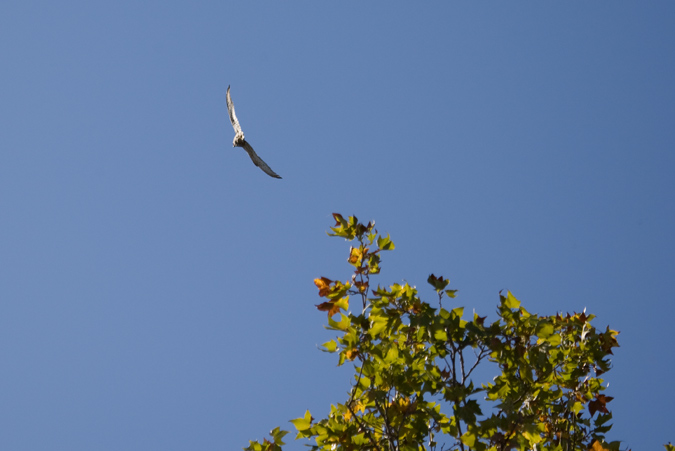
(342, 303)
(377, 325)
(511, 301)
(355, 255)
(343, 324)
(351, 354)
(385, 243)
(440, 335)
(304, 423)
(469, 439)
(599, 446)
(329, 346)
(544, 329)
(324, 285)
(554, 340)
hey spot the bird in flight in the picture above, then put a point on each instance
(239, 140)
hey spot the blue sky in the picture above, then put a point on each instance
(156, 287)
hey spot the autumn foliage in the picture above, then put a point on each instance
(415, 364)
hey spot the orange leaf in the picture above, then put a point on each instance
(597, 446)
(351, 354)
(362, 286)
(324, 285)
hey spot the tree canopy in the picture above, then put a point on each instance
(414, 369)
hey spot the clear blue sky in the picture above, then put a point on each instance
(156, 287)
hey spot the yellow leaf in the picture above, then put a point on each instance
(355, 255)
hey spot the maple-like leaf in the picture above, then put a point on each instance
(324, 285)
(437, 282)
(599, 404)
(608, 340)
(339, 219)
(330, 306)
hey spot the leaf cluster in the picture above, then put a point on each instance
(414, 369)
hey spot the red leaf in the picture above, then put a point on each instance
(329, 307)
(599, 404)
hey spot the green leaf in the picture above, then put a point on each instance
(532, 435)
(392, 355)
(304, 423)
(342, 325)
(329, 346)
(577, 407)
(511, 301)
(554, 340)
(277, 434)
(374, 263)
(458, 312)
(544, 329)
(378, 323)
(301, 424)
(360, 440)
(343, 303)
(451, 293)
(253, 446)
(438, 283)
(603, 418)
(469, 411)
(385, 243)
(469, 439)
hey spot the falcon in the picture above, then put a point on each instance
(239, 140)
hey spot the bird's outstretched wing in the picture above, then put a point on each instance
(233, 116)
(257, 160)
(239, 140)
